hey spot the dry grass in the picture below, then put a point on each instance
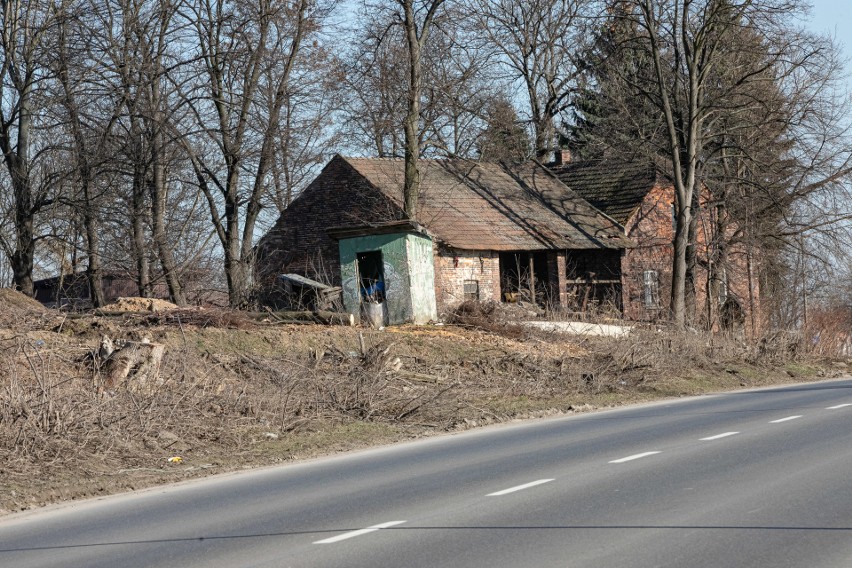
(235, 393)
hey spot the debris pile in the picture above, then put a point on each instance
(134, 304)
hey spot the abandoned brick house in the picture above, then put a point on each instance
(72, 290)
(483, 231)
(576, 236)
(641, 200)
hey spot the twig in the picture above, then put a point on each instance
(420, 377)
(419, 406)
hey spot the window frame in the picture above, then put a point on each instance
(651, 289)
(470, 296)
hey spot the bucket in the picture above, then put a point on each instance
(374, 314)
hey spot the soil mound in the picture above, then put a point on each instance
(13, 300)
(134, 304)
(20, 312)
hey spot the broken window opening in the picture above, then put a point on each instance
(593, 280)
(471, 290)
(651, 289)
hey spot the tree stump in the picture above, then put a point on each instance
(136, 363)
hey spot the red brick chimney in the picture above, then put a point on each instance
(561, 156)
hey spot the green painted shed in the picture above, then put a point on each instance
(387, 272)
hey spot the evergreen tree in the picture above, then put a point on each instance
(610, 114)
(727, 95)
(503, 138)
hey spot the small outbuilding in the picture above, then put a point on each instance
(387, 272)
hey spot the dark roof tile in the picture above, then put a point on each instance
(492, 206)
(616, 189)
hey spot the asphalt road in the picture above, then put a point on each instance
(758, 478)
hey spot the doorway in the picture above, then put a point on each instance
(524, 276)
(371, 277)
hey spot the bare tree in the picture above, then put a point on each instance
(305, 133)
(540, 43)
(137, 65)
(375, 80)
(88, 127)
(25, 54)
(455, 83)
(417, 18)
(239, 44)
(81, 151)
(708, 70)
(153, 37)
(458, 87)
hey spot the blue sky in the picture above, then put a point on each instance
(835, 17)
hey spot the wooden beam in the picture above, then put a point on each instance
(532, 278)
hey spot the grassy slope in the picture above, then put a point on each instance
(236, 394)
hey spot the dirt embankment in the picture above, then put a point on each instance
(139, 305)
(231, 392)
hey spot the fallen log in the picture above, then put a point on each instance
(421, 377)
(319, 316)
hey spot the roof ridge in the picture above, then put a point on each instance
(393, 159)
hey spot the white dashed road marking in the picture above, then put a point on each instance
(359, 532)
(518, 487)
(780, 420)
(381, 526)
(718, 436)
(634, 457)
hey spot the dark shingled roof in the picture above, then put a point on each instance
(616, 189)
(491, 206)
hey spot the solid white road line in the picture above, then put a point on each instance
(839, 406)
(718, 436)
(634, 457)
(519, 487)
(359, 532)
(780, 420)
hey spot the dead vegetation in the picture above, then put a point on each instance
(491, 316)
(232, 391)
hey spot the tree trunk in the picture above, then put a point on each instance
(137, 214)
(415, 40)
(689, 293)
(544, 137)
(22, 258)
(681, 241)
(158, 207)
(411, 186)
(235, 274)
(93, 267)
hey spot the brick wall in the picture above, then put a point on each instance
(652, 228)
(454, 267)
(736, 268)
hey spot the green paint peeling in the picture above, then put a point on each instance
(409, 275)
